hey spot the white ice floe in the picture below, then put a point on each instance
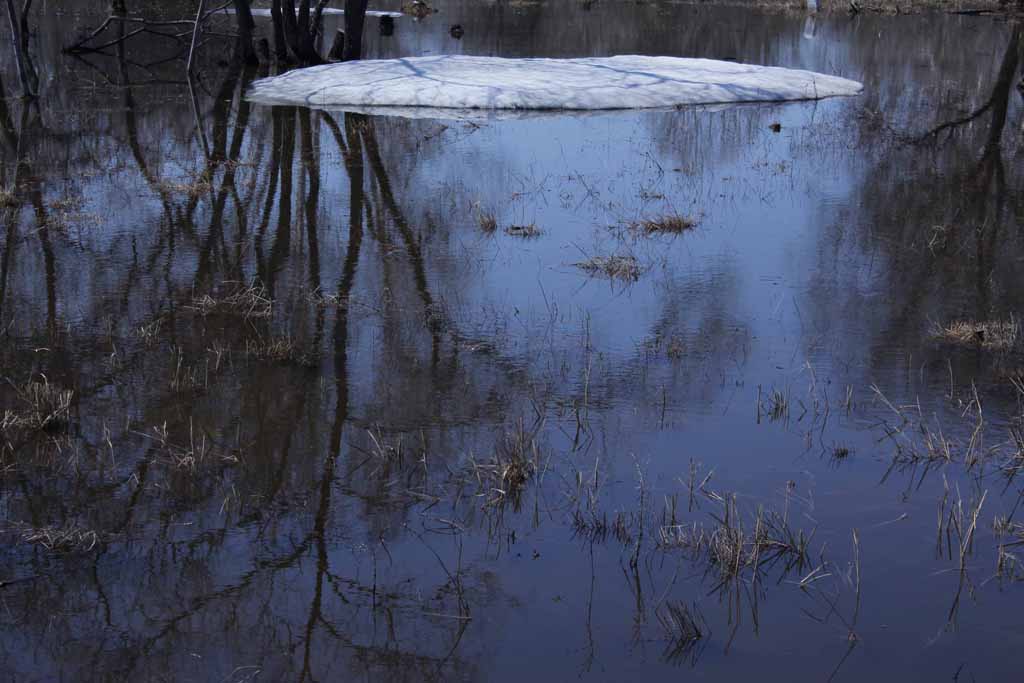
(494, 83)
(265, 12)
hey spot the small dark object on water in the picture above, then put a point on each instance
(387, 25)
(776, 127)
(456, 31)
(337, 53)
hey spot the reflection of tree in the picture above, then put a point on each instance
(950, 259)
(145, 497)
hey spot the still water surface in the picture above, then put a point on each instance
(334, 416)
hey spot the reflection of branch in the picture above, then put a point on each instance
(998, 99)
(411, 245)
(81, 46)
(19, 44)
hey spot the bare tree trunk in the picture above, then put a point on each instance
(280, 47)
(355, 19)
(296, 34)
(244, 50)
(337, 52)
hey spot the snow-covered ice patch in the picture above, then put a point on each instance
(593, 83)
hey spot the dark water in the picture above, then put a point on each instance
(324, 426)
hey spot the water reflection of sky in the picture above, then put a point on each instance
(805, 275)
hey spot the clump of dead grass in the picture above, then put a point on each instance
(487, 222)
(150, 332)
(64, 539)
(617, 267)
(44, 407)
(840, 453)
(282, 350)
(196, 187)
(732, 548)
(670, 224)
(526, 231)
(504, 476)
(991, 335)
(250, 301)
(676, 348)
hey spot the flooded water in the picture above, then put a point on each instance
(378, 398)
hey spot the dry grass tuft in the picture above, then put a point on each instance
(150, 331)
(675, 348)
(249, 301)
(732, 549)
(278, 350)
(61, 539)
(623, 267)
(46, 407)
(197, 187)
(671, 224)
(321, 300)
(487, 222)
(7, 200)
(778, 406)
(503, 478)
(992, 335)
(528, 231)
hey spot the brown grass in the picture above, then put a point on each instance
(504, 476)
(195, 188)
(675, 348)
(61, 539)
(991, 335)
(487, 222)
(44, 407)
(249, 301)
(732, 548)
(281, 350)
(528, 231)
(613, 267)
(671, 224)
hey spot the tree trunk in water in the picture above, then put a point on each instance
(295, 31)
(244, 49)
(355, 18)
(337, 52)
